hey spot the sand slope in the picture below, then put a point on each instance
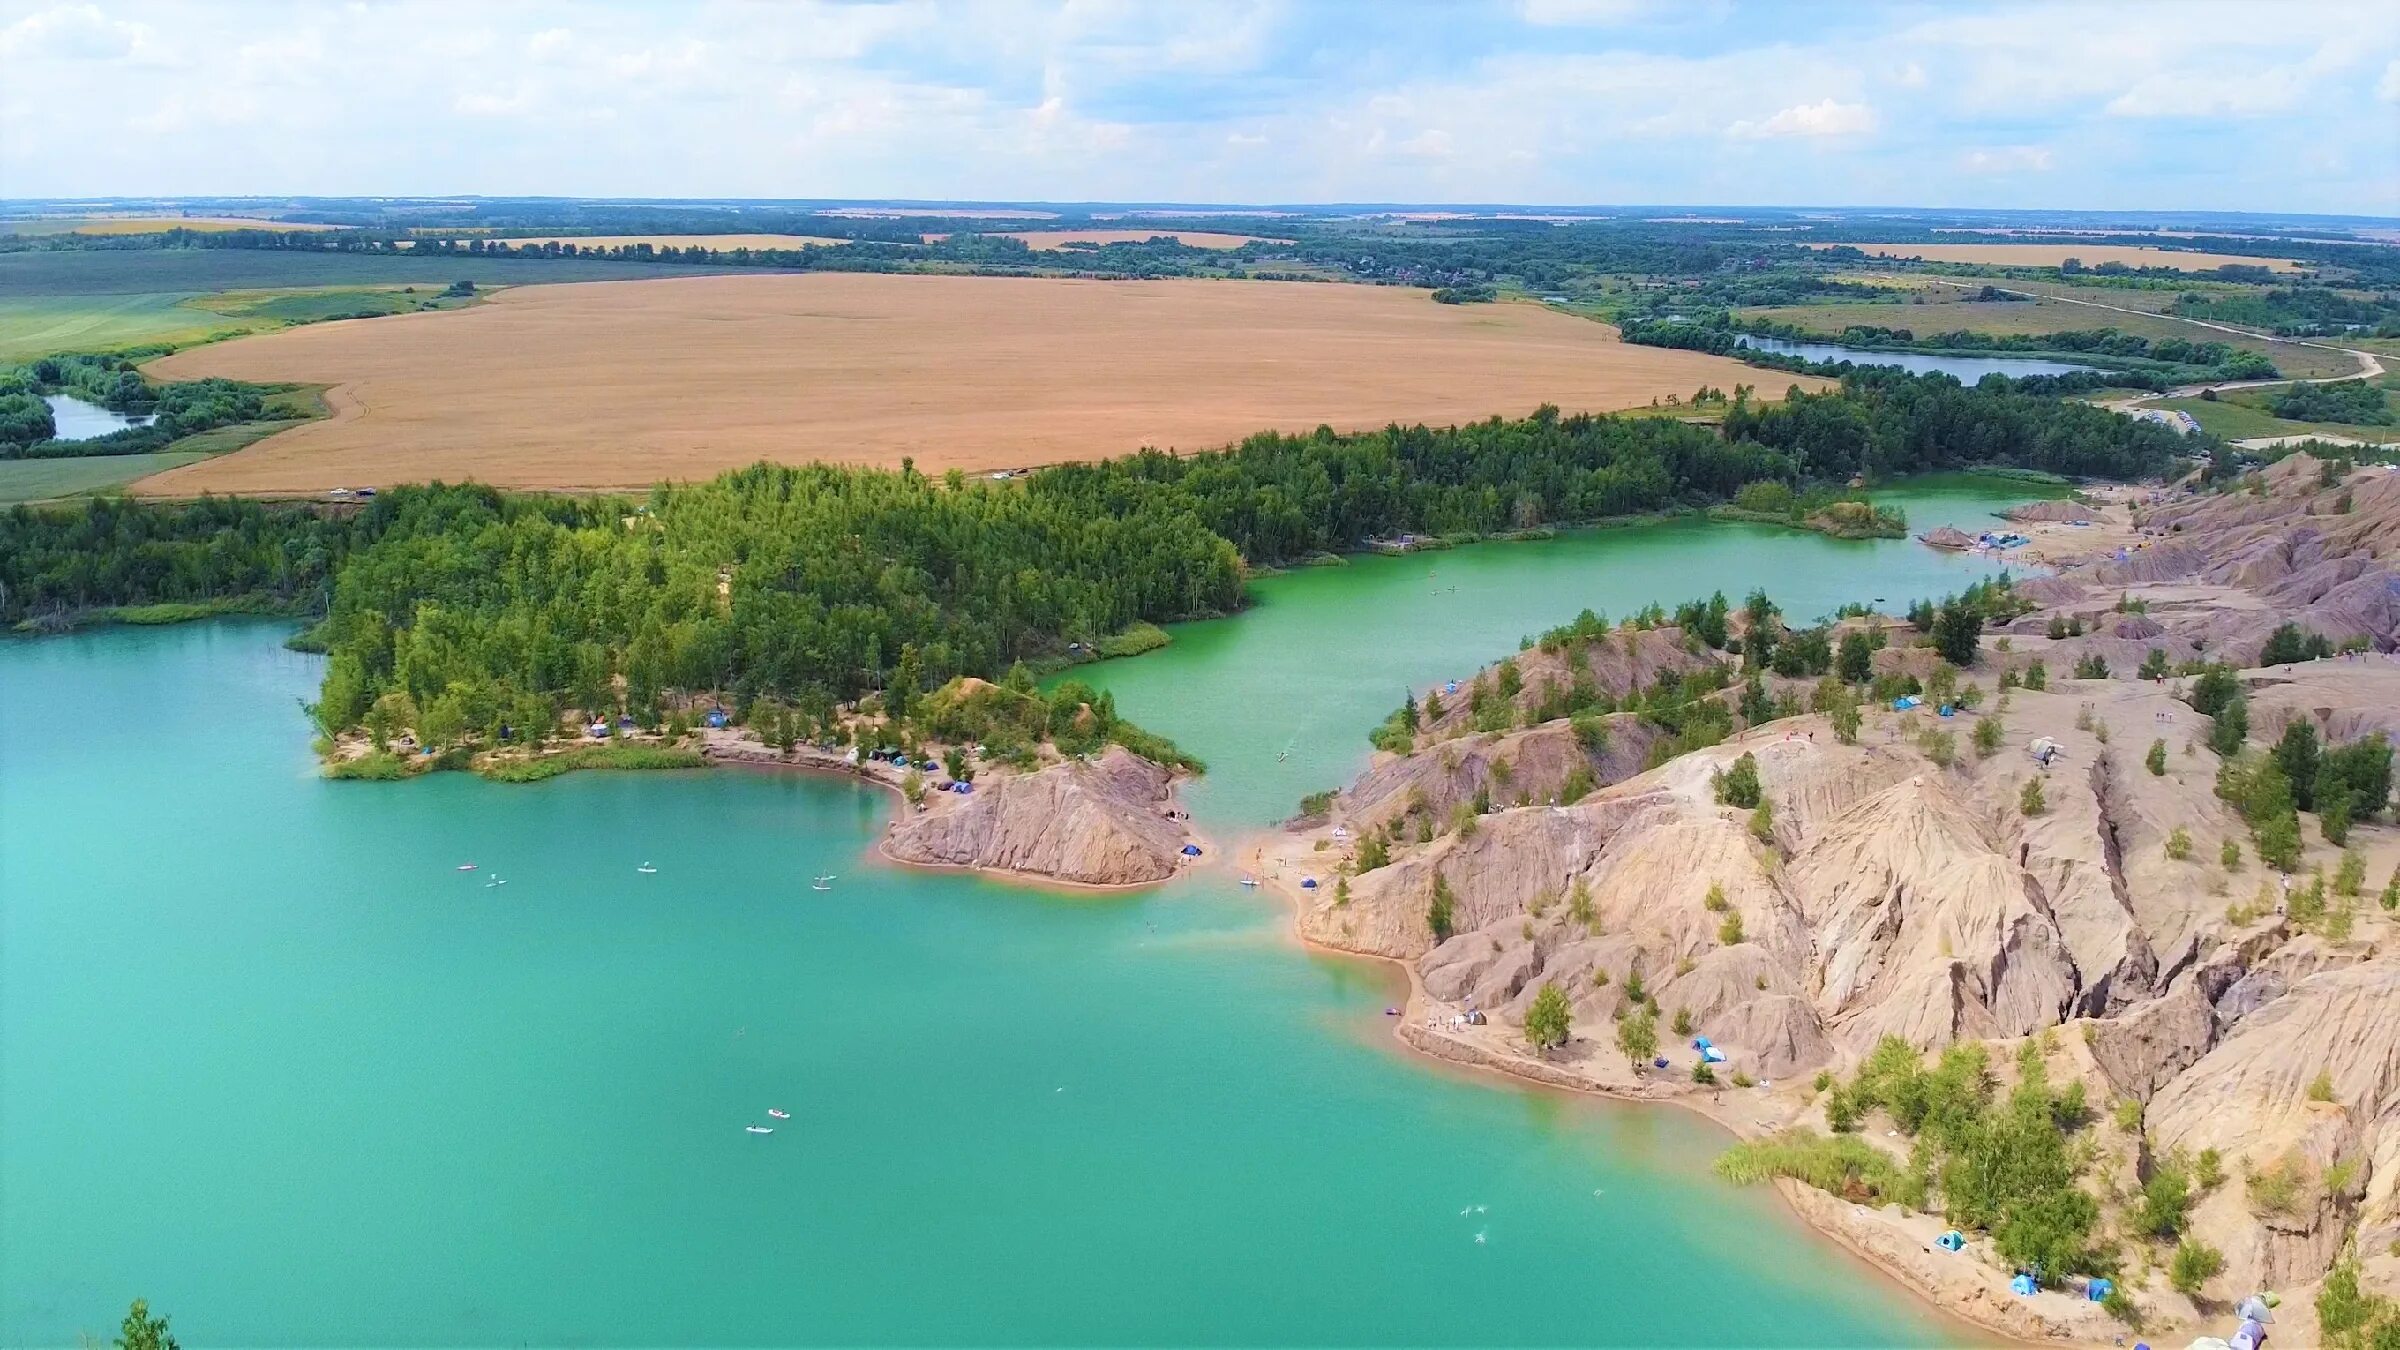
(621, 384)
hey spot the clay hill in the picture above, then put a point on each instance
(2050, 888)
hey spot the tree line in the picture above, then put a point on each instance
(811, 586)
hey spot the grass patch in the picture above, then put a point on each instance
(36, 480)
(2238, 421)
(1141, 637)
(534, 770)
(1842, 1165)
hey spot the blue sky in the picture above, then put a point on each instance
(2134, 104)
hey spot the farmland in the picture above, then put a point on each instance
(610, 386)
(52, 302)
(144, 224)
(2051, 255)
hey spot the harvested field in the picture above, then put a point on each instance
(2051, 255)
(147, 224)
(624, 384)
(1052, 239)
(712, 241)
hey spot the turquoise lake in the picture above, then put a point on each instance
(268, 1060)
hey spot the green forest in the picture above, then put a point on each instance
(812, 586)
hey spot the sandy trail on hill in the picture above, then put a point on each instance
(622, 384)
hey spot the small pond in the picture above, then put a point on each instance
(81, 419)
(1968, 369)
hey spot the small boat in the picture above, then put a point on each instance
(823, 883)
(495, 881)
(1250, 881)
(779, 1113)
(466, 867)
(646, 869)
(759, 1129)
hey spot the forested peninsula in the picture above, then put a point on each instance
(808, 588)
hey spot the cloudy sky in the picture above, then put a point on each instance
(2123, 104)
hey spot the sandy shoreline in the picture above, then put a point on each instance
(1968, 1292)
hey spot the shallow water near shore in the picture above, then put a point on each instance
(270, 1061)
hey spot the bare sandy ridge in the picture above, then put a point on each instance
(622, 384)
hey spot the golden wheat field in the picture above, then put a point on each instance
(621, 384)
(2051, 255)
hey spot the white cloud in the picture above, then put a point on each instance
(1826, 117)
(72, 33)
(2000, 159)
(1572, 13)
(1911, 76)
(2388, 88)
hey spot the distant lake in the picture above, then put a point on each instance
(1968, 369)
(81, 420)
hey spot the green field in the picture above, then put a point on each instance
(54, 301)
(207, 271)
(2243, 416)
(1925, 312)
(33, 480)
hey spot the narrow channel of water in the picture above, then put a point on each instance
(268, 1059)
(1968, 369)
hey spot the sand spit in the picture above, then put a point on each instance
(1108, 822)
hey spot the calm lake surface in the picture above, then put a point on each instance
(270, 1061)
(1968, 369)
(81, 419)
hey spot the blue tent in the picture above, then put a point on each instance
(1308, 883)
(2024, 1286)
(2099, 1290)
(717, 717)
(1950, 1241)
(1191, 850)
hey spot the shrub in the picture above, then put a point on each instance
(2350, 876)
(1762, 823)
(2091, 667)
(1704, 1075)
(2231, 855)
(1683, 1021)
(1547, 1020)
(2166, 1200)
(2320, 1088)
(1738, 785)
(2037, 677)
(1939, 746)
(2179, 844)
(1988, 734)
(1637, 1035)
(2029, 799)
(1730, 932)
(1714, 901)
(1439, 910)
(2156, 760)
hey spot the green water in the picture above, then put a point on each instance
(269, 1061)
(1279, 699)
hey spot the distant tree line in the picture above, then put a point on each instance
(810, 586)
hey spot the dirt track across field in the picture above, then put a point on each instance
(622, 384)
